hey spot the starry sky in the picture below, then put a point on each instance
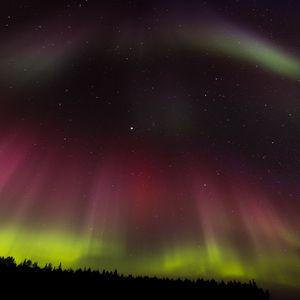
(155, 137)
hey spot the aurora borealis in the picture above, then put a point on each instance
(158, 138)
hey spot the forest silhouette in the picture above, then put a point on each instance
(28, 279)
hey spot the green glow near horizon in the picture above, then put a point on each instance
(210, 260)
(53, 246)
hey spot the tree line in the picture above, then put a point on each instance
(29, 277)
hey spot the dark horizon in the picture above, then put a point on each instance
(88, 282)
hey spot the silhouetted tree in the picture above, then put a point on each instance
(80, 282)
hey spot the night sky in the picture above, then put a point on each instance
(155, 137)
